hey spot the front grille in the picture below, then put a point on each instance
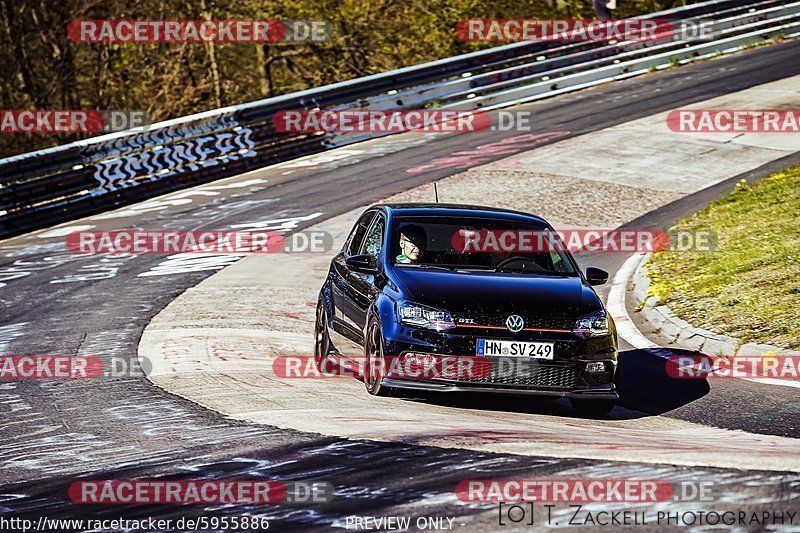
(603, 378)
(531, 321)
(527, 373)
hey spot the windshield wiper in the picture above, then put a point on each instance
(426, 265)
(528, 271)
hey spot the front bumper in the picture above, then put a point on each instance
(593, 393)
(564, 376)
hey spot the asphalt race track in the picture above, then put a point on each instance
(56, 302)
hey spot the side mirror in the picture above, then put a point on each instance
(363, 264)
(596, 276)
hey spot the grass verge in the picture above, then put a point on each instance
(749, 287)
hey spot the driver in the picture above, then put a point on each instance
(412, 243)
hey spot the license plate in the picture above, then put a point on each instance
(535, 350)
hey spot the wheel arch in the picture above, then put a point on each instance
(326, 297)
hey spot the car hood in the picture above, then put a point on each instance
(488, 292)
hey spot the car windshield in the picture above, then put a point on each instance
(478, 243)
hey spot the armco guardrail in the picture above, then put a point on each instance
(42, 188)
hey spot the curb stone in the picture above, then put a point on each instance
(686, 336)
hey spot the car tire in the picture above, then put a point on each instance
(373, 349)
(322, 338)
(592, 408)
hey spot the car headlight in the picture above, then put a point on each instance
(594, 325)
(422, 316)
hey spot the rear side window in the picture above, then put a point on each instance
(357, 236)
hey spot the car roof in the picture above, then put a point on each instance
(456, 210)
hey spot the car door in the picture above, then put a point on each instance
(344, 333)
(363, 290)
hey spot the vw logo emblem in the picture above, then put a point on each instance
(514, 323)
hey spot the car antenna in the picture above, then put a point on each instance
(435, 192)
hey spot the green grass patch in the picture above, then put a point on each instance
(749, 287)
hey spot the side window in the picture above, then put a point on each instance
(374, 241)
(357, 236)
(558, 262)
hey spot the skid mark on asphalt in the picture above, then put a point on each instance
(36, 446)
(483, 154)
(424, 484)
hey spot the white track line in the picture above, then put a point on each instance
(619, 312)
(628, 330)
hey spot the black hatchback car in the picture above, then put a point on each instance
(404, 286)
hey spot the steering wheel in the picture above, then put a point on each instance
(526, 262)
